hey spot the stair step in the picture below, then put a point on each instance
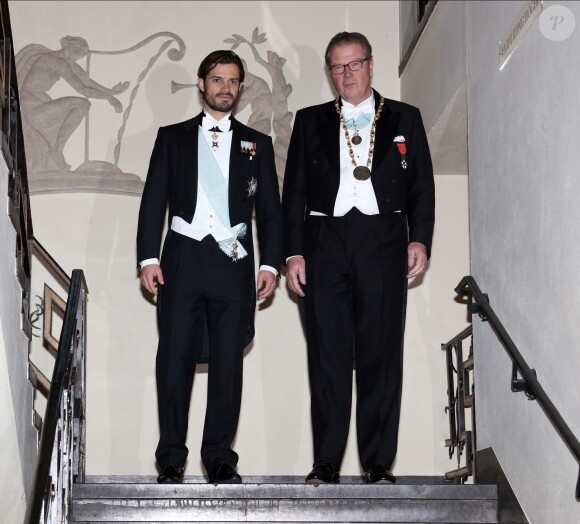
(256, 479)
(282, 499)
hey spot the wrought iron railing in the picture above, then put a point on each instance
(478, 303)
(12, 146)
(61, 456)
(51, 305)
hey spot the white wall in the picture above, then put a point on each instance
(13, 501)
(433, 317)
(18, 449)
(96, 232)
(524, 187)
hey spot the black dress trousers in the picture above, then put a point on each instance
(356, 297)
(201, 282)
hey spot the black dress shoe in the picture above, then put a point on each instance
(322, 473)
(171, 475)
(379, 475)
(223, 473)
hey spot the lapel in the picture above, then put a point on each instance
(189, 145)
(328, 125)
(387, 126)
(239, 164)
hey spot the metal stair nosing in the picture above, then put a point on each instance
(283, 502)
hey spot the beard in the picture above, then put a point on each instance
(213, 103)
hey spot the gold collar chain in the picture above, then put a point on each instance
(365, 172)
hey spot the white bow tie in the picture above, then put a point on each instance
(208, 124)
(350, 111)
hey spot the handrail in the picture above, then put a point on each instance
(479, 303)
(52, 264)
(71, 336)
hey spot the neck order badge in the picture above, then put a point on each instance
(363, 120)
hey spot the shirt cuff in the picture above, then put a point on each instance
(148, 262)
(270, 269)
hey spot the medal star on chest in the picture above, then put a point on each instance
(252, 187)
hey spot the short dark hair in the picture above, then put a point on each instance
(222, 56)
(348, 38)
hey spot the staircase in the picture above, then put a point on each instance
(282, 499)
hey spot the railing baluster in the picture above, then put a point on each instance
(460, 438)
(452, 441)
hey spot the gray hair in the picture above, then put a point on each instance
(348, 38)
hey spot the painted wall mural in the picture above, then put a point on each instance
(50, 120)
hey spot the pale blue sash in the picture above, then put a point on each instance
(216, 188)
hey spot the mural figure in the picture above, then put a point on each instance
(49, 123)
(257, 95)
(282, 118)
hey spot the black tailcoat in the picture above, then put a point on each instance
(204, 290)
